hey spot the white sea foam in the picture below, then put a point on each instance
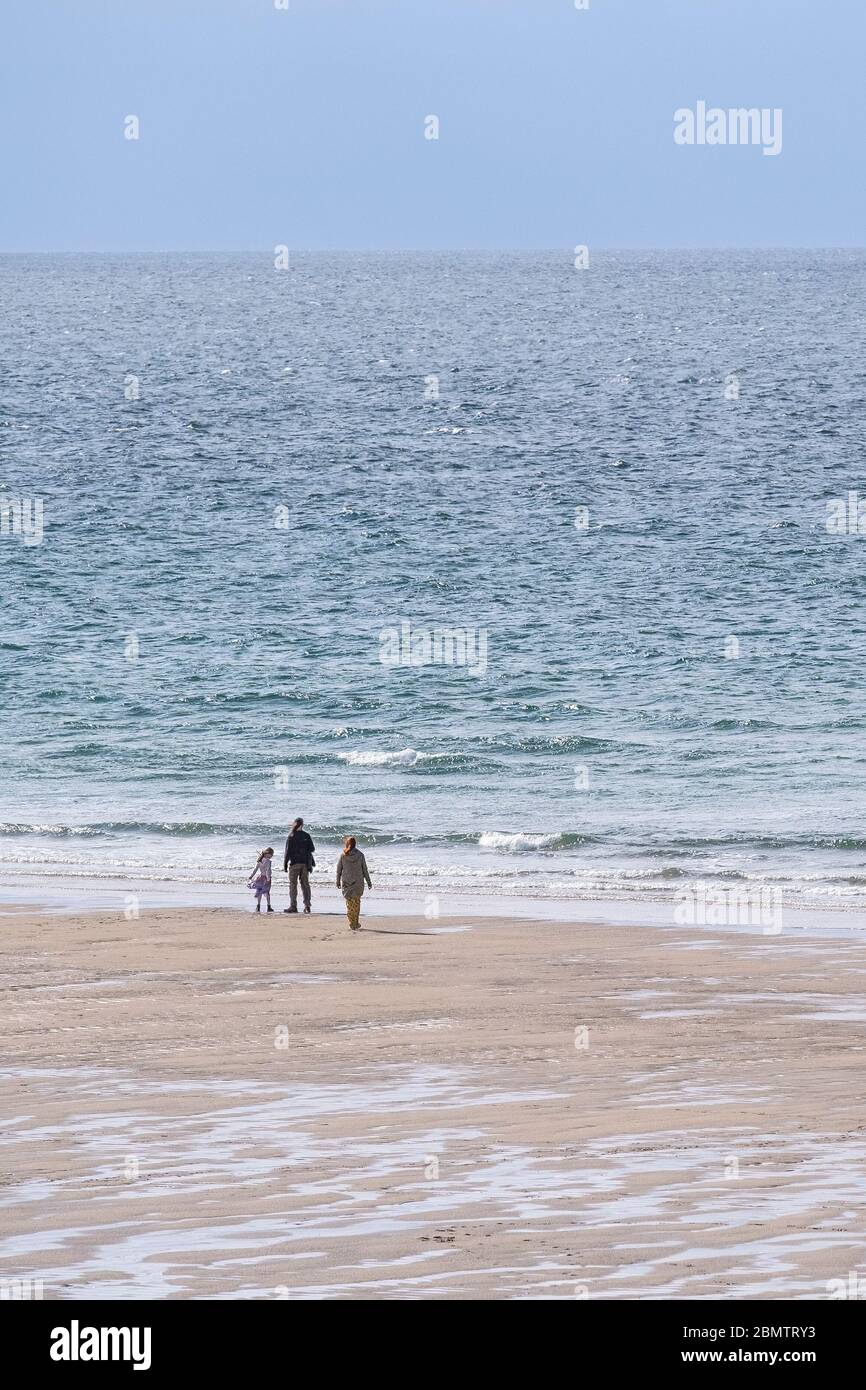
(495, 839)
(407, 757)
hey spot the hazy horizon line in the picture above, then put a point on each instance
(415, 250)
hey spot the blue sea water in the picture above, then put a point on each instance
(249, 475)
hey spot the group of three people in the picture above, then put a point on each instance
(298, 863)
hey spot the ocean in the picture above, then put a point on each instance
(542, 581)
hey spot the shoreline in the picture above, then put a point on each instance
(63, 896)
(206, 1104)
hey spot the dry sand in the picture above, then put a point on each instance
(210, 1104)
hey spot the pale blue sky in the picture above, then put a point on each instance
(306, 127)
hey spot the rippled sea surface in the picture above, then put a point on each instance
(249, 475)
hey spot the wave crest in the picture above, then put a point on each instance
(407, 757)
(520, 840)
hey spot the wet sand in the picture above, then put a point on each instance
(206, 1104)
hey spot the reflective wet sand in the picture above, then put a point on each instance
(195, 1104)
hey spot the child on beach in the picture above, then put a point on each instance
(260, 879)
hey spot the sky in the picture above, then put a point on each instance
(305, 126)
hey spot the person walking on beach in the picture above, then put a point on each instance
(260, 879)
(297, 863)
(352, 874)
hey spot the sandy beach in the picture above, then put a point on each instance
(206, 1104)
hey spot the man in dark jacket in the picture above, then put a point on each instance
(297, 863)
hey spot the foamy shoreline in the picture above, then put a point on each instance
(64, 894)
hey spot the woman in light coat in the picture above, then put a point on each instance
(352, 874)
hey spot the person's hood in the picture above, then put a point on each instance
(352, 853)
